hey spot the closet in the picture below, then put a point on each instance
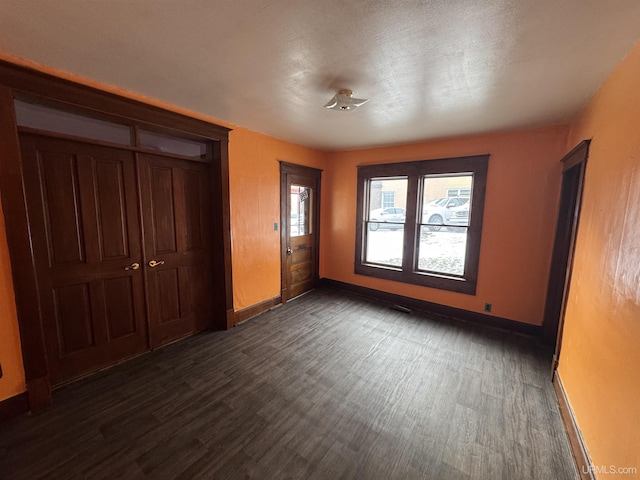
(127, 235)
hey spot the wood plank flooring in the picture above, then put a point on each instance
(329, 386)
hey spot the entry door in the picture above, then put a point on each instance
(300, 220)
(176, 198)
(85, 228)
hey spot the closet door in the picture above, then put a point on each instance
(85, 231)
(176, 199)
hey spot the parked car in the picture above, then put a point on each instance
(459, 216)
(390, 217)
(446, 211)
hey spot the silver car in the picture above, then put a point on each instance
(391, 217)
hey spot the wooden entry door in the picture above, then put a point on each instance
(85, 231)
(300, 221)
(176, 199)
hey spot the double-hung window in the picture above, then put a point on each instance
(432, 235)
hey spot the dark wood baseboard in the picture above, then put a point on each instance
(580, 455)
(14, 406)
(250, 312)
(445, 310)
(230, 319)
(39, 392)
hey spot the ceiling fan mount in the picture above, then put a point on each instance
(344, 101)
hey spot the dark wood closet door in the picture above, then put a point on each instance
(85, 228)
(176, 198)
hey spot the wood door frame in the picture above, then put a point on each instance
(17, 80)
(564, 241)
(295, 169)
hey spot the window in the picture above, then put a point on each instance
(458, 192)
(388, 199)
(431, 234)
(42, 117)
(53, 118)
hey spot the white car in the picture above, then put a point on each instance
(390, 217)
(446, 211)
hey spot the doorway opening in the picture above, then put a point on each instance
(563, 247)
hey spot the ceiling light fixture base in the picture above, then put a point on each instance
(344, 101)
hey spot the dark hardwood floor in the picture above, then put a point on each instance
(329, 386)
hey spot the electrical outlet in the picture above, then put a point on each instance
(487, 307)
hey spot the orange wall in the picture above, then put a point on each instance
(600, 357)
(12, 381)
(519, 219)
(254, 183)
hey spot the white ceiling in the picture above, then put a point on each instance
(431, 68)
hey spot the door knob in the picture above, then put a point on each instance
(289, 251)
(153, 263)
(133, 266)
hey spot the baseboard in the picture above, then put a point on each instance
(254, 310)
(39, 392)
(580, 455)
(14, 406)
(423, 305)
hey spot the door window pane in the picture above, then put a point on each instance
(385, 223)
(301, 211)
(38, 116)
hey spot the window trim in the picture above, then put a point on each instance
(478, 166)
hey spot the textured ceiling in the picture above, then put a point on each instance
(431, 68)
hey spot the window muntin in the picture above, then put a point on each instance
(437, 241)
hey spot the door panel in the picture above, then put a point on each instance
(83, 208)
(59, 183)
(161, 207)
(300, 196)
(109, 182)
(176, 205)
(120, 310)
(169, 294)
(74, 318)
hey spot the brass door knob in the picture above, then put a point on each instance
(153, 263)
(133, 266)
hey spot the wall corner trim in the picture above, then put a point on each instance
(578, 448)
